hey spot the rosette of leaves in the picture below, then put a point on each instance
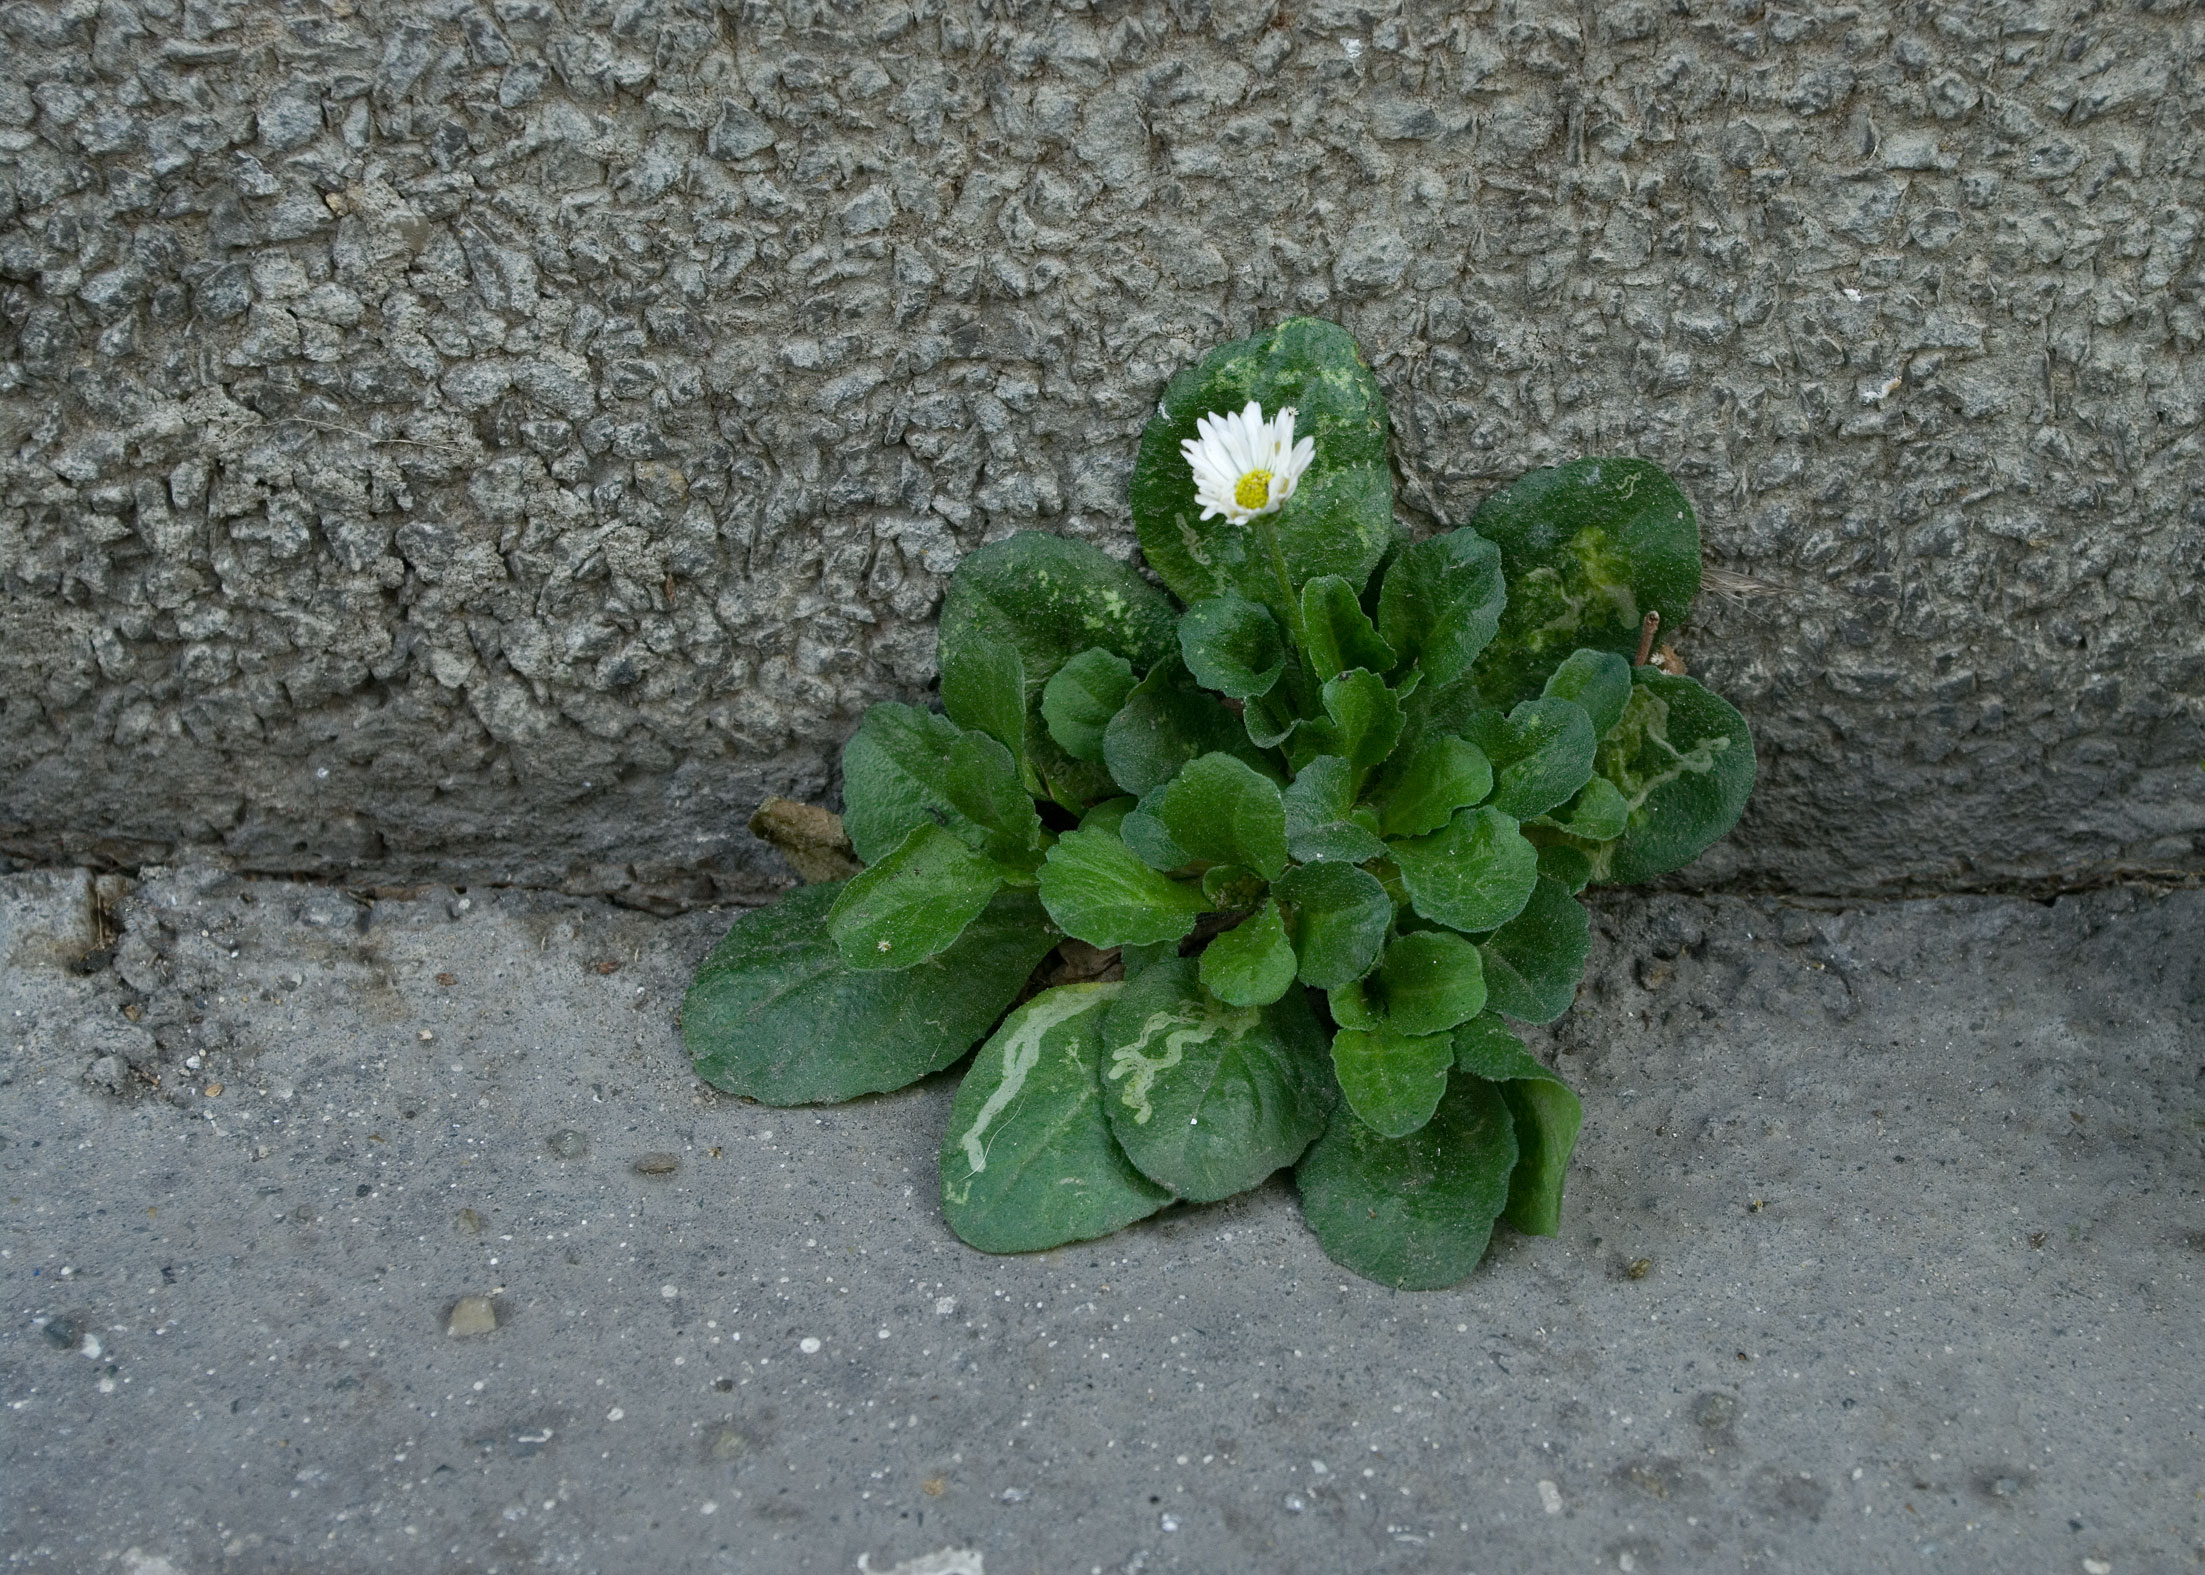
(1330, 804)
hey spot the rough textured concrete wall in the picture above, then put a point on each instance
(504, 440)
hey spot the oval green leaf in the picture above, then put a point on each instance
(1590, 548)
(1683, 760)
(1534, 961)
(1445, 774)
(1028, 1161)
(1440, 603)
(1600, 681)
(1430, 980)
(1473, 874)
(1338, 918)
(775, 1014)
(1098, 891)
(1546, 1113)
(1165, 722)
(1251, 964)
(1220, 809)
(1392, 1080)
(1081, 697)
(1341, 635)
(1414, 1213)
(914, 903)
(1318, 803)
(895, 777)
(1542, 753)
(1205, 1098)
(1232, 645)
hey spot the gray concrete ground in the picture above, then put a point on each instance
(1883, 1253)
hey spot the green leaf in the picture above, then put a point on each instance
(1232, 645)
(1165, 722)
(1268, 721)
(1109, 815)
(1341, 636)
(1565, 865)
(913, 903)
(1414, 1213)
(1487, 1047)
(1251, 964)
(895, 777)
(984, 689)
(1143, 831)
(1050, 599)
(1474, 873)
(1099, 892)
(1598, 813)
(1683, 760)
(1445, 774)
(1590, 548)
(1546, 1114)
(1600, 681)
(1338, 918)
(1028, 1161)
(1542, 753)
(983, 786)
(1208, 1099)
(1430, 980)
(1340, 519)
(1352, 1006)
(1229, 888)
(1440, 603)
(1318, 803)
(1533, 962)
(1082, 696)
(1392, 1081)
(775, 1014)
(1137, 960)
(1364, 722)
(1223, 811)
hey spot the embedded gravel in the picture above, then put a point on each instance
(395, 1235)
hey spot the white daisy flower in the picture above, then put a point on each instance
(1245, 466)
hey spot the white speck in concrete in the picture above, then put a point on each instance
(137, 1563)
(615, 1414)
(669, 1291)
(809, 1345)
(708, 1508)
(2097, 1567)
(944, 1306)
(950, 1561)
(1550, 1497)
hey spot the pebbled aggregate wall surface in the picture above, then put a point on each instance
(503, 441)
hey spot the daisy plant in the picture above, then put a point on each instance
(1262, 863)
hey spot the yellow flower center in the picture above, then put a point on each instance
(1254, 490)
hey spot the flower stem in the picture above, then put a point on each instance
(1289, 604)
(1290, 607)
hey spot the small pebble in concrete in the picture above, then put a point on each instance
(658, 1163)
(568, 1143)
(64, 1332)
(1640, 1268)
(809, 1345)
(472, 1315)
